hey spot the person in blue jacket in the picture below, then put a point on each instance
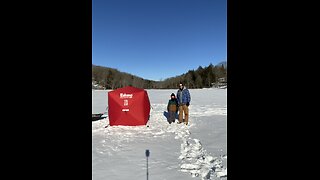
(183, 97)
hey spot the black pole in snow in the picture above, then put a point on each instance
(147, 154)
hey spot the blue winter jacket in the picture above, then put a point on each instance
(183, 96)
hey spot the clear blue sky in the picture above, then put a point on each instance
(158, 39)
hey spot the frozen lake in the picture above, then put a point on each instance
(177, 151)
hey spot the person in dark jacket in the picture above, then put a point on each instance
(183, 97)
(172, 108)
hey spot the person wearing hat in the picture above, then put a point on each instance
(172, 108)
(183, 97)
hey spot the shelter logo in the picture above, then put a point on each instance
(125, 102)
(124, 95)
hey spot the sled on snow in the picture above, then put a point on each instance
(99, 116)
(166, 114)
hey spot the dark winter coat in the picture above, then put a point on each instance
(172, 105)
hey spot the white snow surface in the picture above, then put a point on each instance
(177, 151)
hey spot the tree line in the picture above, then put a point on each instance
(202, 77)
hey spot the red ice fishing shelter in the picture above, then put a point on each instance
(128, 106)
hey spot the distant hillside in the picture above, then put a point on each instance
(223, 63)
(110, 78)
(202, 77)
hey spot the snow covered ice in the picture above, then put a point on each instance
(177, 151)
